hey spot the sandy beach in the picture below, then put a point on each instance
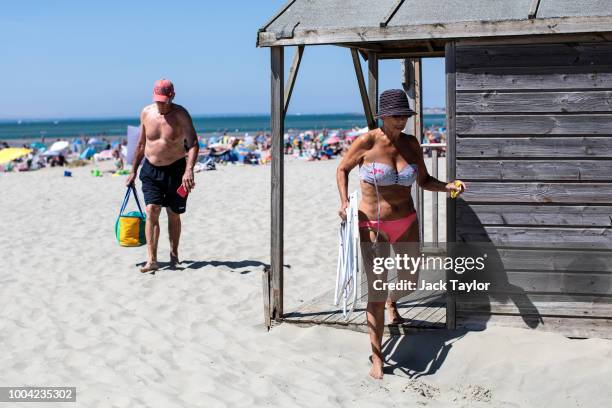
(75, 311)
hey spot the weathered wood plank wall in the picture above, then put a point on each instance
(534, 143)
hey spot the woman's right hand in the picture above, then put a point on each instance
(342, 210)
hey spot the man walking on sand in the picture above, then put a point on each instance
(166, 131)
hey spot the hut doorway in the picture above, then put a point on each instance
(422, 309)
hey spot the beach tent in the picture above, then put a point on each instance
(88, 153)
(77, 145)
(9, 154)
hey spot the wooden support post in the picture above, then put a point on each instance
(362, 90)
(265, 278)
(276, 233)
(412, 84)
(293, 71)
(373, 84)
(434, 199)
(451, 210)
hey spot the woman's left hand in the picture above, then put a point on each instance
(456, 188)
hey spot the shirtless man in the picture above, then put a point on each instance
(166, 130)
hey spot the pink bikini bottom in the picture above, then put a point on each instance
(393, 228)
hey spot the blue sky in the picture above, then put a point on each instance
(99, 59)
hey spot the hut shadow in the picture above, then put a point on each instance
(419, 354)
(473, 241)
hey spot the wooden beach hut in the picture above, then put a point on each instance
(529, 119)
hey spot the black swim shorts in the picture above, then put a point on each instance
(159, 184)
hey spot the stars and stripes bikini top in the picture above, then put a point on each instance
(384, 175)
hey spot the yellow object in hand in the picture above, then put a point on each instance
(455, 193)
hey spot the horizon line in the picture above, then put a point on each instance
(197, 115)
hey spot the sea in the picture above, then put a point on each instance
(204, 125)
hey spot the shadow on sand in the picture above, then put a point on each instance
(194, 265)
(418, 354)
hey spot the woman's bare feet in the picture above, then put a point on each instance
(377, 367)
(393, 313)
(149, 267)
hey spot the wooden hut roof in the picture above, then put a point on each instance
(309, 22)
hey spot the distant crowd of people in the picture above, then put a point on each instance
(248, 149)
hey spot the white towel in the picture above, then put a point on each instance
(347, 273)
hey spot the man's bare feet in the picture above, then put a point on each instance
(149, 267)
(376, 371)
(393, 313)
(174, 259)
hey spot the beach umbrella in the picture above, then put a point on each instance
(59, 146)
(9, 154)
(332, 140)
(93, 140)
(50, 153)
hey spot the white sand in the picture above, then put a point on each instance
(75, 311)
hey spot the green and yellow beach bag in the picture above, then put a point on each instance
(130, 227)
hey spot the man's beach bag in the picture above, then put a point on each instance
(130, 227)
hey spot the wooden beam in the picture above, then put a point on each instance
(293, 71)
(363, 47)
(390, 54)
(539, 39)
(276, 233)
(451, 210)
(373, 84)
(362, 90)
(449, 31)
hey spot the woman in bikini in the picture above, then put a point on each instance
(389, 161)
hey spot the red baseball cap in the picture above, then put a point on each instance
(163, 90)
